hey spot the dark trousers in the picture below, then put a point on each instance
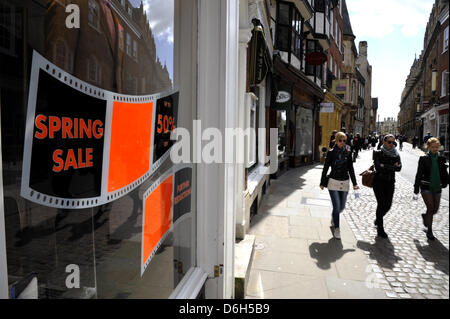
(384, 193)
(432, 201)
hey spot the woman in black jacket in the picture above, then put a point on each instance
(340, 160)
(431, 178)
(387, 162)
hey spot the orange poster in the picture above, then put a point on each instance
(157, 219)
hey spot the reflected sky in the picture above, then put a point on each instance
(161, 18)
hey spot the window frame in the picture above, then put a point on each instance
(294, 33)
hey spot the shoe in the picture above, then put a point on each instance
(375, 222)
(382, 234)
(337, 233)
(430, 236)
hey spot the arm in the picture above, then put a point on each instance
(419, 174)
(351, 170)
(326, 166)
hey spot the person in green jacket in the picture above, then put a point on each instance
(431, 178)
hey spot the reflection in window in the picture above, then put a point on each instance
(128, 44)
(135, 53)
(94, 14)
(62, 55)
(93, 69)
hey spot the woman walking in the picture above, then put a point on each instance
(340, 160)
(431, 178)
(387, 162)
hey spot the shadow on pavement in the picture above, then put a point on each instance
(327, 253)
(382, 251)
(436, 253)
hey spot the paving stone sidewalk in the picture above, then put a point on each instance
(296, 256)
(407, 265)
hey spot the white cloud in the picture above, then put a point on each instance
(161, 16)
(379, 18)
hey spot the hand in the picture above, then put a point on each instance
(397, 164)
(321, 187)
(355, 187)
(381, 165)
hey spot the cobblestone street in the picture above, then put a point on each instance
(406, 265)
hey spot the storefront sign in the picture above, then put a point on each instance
(327, 107)
(432, 116)
(165, 204)
(283, 97)
(85, 146)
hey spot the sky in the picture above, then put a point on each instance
(160, 14)
(394, 31)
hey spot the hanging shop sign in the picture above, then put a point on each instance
(85, 146)
(327, 107)
(316, 58)
(165, 204)
(260, 60)
(281, 95)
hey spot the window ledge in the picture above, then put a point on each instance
(191, 284)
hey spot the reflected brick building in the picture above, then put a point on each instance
(114, 47)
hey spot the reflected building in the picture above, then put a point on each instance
(113, 49)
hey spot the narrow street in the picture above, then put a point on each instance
(296, 255)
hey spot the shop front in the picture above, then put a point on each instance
(301, 111)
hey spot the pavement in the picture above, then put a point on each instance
(296, 256)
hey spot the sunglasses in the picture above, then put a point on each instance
(390, 142)
(342, 140)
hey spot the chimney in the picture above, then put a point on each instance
(363, 48)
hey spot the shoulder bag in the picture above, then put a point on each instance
(368, 176)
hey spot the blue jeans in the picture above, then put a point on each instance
(338, 199)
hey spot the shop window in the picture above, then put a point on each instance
(289, 29)
(44, 239)
(94, 14)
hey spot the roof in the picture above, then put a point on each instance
(345, 16)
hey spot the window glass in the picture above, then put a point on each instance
(282, 38)
(283, 13)
(76, 246)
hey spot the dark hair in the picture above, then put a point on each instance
(387, 136)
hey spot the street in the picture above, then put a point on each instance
(296, 255)
(406, 265)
